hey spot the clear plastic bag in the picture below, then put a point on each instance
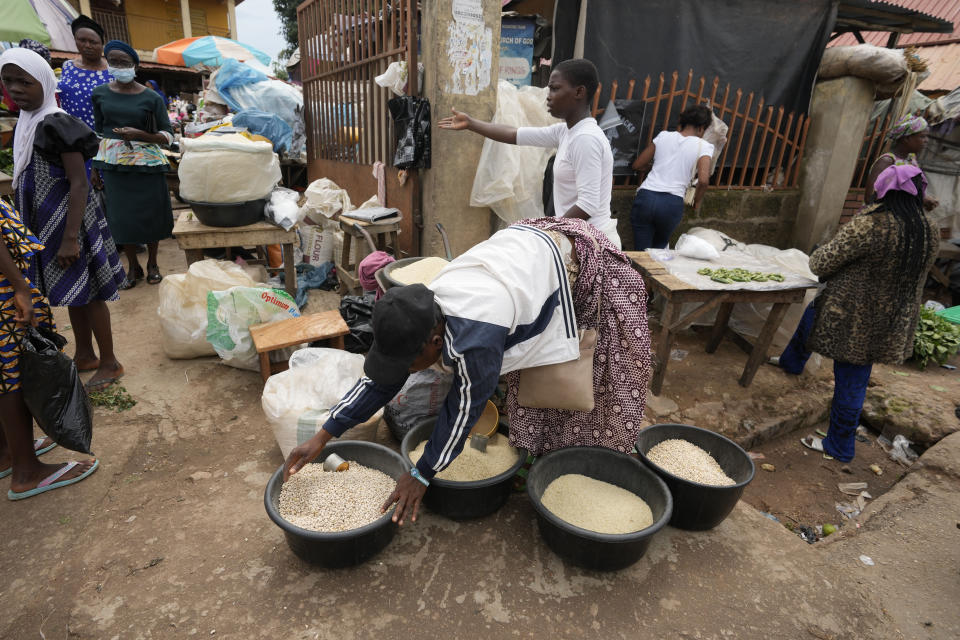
(283, 208)
(297, 401)
(183, 306)
(509, 178)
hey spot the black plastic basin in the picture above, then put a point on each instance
(589, 549)
(696, 506)
(234, 214)
(462, 500)
(340, 548)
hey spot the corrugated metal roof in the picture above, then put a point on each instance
(944, 9)
(944, 61)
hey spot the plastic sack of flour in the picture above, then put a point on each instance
(231, 313)
(694, 247)
(298, 401)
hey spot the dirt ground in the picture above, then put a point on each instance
(802, 488)
(142, 550)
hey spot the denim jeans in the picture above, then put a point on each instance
(849, 389)
(654, 216)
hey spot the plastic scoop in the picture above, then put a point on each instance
(485, 427)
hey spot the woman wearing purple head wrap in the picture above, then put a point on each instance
(873, 272)
(908, 137)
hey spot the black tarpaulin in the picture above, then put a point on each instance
(770, 47)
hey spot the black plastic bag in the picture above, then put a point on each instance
(357, 312)
(411, 120)
(53, 392)
(623, 124)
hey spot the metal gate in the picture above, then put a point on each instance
(344, 44)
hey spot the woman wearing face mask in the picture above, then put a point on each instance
(133, 123)
(81, 76)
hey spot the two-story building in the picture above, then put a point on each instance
(147, 24)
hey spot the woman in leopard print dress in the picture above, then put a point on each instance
(873, 270)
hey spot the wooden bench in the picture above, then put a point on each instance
(328, 326)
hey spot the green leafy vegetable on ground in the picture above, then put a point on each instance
(114, 397)
(936, 339)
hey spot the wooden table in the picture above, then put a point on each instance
(676, 292)
(193, 237)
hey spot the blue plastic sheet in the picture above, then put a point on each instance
(321, 276)
(233, 74)
(265, 124)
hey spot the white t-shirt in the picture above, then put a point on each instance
(673, 162)
(582, 171)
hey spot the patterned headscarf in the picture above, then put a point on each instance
(36, 47)
(33, 64)
(899, 177)
(907, 126)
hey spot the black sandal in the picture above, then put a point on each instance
(153, 274)
(128, 283)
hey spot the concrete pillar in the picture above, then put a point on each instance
(232, 18)
(461, 58)
(185, 17)
(839, 113)
(85, 8)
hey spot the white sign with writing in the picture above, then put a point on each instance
(468, 11)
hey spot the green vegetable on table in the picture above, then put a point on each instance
(729, 276)
(936, 339)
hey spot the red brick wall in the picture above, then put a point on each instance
(851, 205)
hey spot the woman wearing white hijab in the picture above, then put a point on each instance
(79, 267)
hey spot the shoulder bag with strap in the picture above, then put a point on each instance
(565, 385)
(691, 193)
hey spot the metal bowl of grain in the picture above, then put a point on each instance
(463, 500)
(589, 548)
(333, 549)
(429, 266)
(703, 504)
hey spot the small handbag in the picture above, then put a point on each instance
(565, 385)
(690, 196)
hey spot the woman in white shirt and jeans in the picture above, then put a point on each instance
(658, 207)
(583, 169)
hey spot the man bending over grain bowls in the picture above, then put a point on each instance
(511, 302)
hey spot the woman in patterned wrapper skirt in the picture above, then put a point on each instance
(79, 267)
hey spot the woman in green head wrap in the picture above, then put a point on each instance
(908, 137)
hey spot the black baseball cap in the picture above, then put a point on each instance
(403, 319)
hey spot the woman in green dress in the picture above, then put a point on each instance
(130, 167)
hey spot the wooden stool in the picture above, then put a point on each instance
(384, 235)
(328, 326)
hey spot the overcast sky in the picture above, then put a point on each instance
(259, 26)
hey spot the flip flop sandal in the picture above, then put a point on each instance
(38, 450)
(153, 275)
(128, 283)
(100, 385)
(51, 482)
(816, 444)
